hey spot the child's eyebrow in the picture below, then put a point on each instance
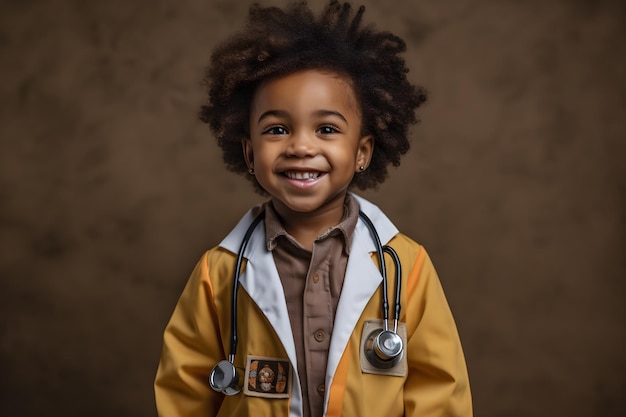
(285, 114)
(323, 113)
(277, 113)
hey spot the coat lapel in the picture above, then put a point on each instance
(261, 281)
(360, 283)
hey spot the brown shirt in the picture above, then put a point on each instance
(312, 282)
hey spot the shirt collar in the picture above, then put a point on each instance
(274, 228)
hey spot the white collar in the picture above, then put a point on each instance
(384, 227)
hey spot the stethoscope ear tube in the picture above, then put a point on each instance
(398, 266)
(386, 347)
(224, 376)
(233, 305)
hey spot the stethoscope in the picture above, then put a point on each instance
(385, 347)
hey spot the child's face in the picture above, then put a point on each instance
(305, 141)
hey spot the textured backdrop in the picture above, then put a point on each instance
(110, 190)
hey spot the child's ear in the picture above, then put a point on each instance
(248, 154)
(364, 153)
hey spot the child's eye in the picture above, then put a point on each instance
(327, 130)
(275, 130)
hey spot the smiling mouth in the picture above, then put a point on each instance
(300, 175)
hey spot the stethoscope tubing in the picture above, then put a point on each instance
(380, 249)
(233, 311)
(398, 271)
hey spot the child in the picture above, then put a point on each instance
(307, 108)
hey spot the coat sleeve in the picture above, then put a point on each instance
(191, 347)
(437, 384)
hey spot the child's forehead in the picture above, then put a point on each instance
(313, 77)
(338, 80)
(308, 83)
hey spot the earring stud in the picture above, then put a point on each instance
(251, 171)
(361, 168)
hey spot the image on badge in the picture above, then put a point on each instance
(267, 377)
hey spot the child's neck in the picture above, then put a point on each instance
(305, 227)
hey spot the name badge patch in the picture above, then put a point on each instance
(267, 377)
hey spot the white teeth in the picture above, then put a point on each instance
(302, 175)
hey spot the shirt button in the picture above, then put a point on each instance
(321, 388)
(319, 335)
(316, 277)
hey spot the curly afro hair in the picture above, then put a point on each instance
(277, 42)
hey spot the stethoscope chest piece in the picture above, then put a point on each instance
(383, 349)
(224, 378)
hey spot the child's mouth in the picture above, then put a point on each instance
(302, 175)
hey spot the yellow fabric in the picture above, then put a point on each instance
(338, 388)
(198, 333)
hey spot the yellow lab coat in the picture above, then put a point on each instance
(434, 384)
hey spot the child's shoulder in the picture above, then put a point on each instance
(406, 247)
(219, 258)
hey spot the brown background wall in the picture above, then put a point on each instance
(110, 189)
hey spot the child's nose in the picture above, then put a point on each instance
(302, 144)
